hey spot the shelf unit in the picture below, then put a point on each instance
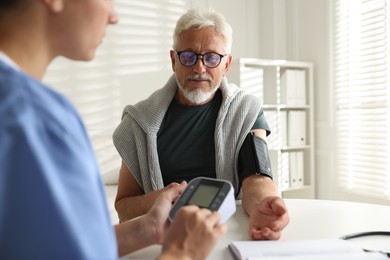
(285, 89)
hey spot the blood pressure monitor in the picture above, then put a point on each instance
(213, 194)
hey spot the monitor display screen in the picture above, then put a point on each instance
(204, 195)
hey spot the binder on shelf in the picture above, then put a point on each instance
(300, 169)
(296, 169)
(300, 87)
(287, 84)
(296, 128)
(293, 169)
(293, 88)
(284, 182)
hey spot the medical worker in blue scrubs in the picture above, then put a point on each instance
(52, 200)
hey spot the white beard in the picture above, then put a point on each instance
(198, 96)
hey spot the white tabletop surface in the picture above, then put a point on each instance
(309, 219)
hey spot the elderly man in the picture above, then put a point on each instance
(198, 125)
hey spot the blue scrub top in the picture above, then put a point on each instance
(52, 199)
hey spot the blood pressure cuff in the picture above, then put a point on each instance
(253, 158)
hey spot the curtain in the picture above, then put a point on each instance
(362, 90)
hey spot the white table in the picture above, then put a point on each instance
(309, 219)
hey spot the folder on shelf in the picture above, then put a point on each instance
(287, 90)
(300, 169)
(293, 88)
(296, 160)
(296, 128)
(300, 88)
(293, 169)
(284, 182)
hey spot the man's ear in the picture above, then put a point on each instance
(54, 6)
(173, 60)
(227, 64)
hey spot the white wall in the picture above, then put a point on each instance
(309, 39)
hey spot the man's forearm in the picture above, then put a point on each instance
(132, 207)
(255, 188)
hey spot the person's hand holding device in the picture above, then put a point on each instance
(213, 194)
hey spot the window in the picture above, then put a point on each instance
(138, 44)
(362, 85)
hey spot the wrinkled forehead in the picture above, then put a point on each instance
(201, 40)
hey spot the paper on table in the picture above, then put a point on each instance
(299, 249)
(350, 256)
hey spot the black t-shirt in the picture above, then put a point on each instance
(185, 141)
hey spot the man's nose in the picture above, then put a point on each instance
(199, 67)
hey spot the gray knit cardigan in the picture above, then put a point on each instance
(136, 136)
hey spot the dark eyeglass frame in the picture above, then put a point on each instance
(221, 56)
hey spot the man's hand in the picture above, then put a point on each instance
(268, 218)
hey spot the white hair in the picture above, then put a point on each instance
(204, 18)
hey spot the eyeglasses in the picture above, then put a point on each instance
(209, 59)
